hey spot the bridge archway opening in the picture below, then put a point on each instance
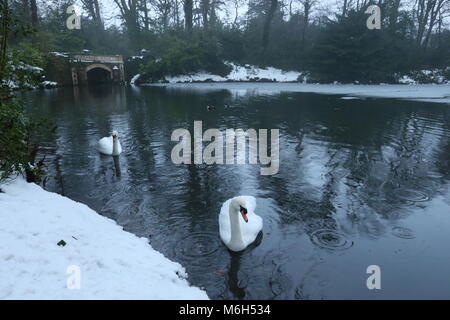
(98, 74)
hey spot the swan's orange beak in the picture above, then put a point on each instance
(244, 214)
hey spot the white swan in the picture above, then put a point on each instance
(238, 223)
(110, 145)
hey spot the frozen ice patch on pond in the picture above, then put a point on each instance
(420, 92)
(350, 98)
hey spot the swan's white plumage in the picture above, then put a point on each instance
(105, 145)
(249, 230)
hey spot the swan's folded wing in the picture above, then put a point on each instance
(251, 228)
(250, 202)
(105, 145)
(224, 222)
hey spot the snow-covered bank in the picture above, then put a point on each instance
(134, 79)
(113, 264)
(240, 73)
(435, 76)
(425, 92)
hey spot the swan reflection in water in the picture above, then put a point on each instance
(233, 273)
(117, 165)
(233, 277)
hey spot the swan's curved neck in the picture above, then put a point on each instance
(236, 235)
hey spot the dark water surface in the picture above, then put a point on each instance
(361, 182)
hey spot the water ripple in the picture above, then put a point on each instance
(412, 196)
(403, 233)
(198, 244)
(330, 239)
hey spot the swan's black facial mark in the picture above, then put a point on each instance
(243, 212)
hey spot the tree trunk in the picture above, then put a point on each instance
(176, 16)
(34, 13)
(5, 20)
(236, 15)
(427, 12)
(93, 10)
(267, 23)
(129, 14)
(145, 10)
(307, 4)
(344, 8)
(205, 5)
(187, 6)
(423, 12)
(98, 16)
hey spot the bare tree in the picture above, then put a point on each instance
(236, 5)
(176, 13)
(345, 7)
(188, 8)
(214, 6)
(272, 8)
(34, 13)
(427, 13)
(5, 20)
(393, 12)
(163, 9)
(93, 9)
(30, 11)
(307, 9)
(143, 9)
(204, 8)
(129, 14)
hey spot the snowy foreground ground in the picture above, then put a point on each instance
(419, 92)
(113, 264)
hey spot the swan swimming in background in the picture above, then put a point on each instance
(110, 145)
(238, 223)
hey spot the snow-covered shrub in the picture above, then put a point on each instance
(436, 76)
(133, 64)
(18, 145)
(24, 67)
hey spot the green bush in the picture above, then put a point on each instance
(24, 66)
(184, 56)
(26, 52)
(18, 147)
(346, 50)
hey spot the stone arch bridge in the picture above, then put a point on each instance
(96, 69)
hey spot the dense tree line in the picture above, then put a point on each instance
(18, 132)
(332, 43)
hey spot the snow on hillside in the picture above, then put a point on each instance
(135, 78)
(113, 264)
(49, 84)
(436, 76)
(240, 73)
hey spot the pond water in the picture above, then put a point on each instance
(361, 182)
